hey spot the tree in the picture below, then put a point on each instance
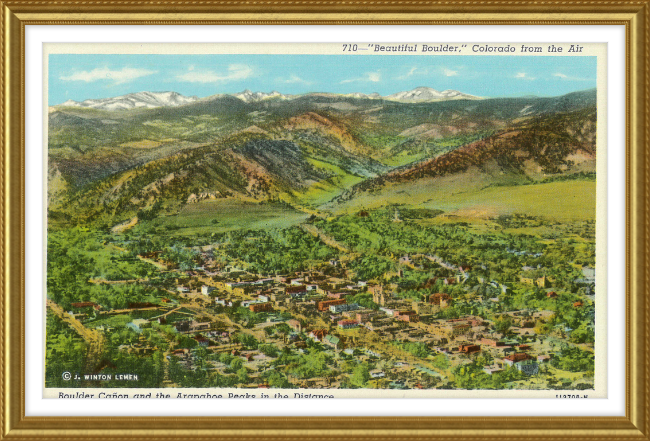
(242, 375)
(269, 350)
(236, 364)
(225, 358)
(441, 362)
(277, 380)
(574, 359)
(583, 334)
(201, 354)
(502, 325)
(158, 365)
(360, 375)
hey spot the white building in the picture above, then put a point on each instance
(335, 309)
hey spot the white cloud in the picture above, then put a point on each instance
(414, 71)
(124, 75)
(375, 77)
(235, 72)
(449, 72)
(372, 77)
(523, 76)
(411, 72)
(295, 79)
(570, 78)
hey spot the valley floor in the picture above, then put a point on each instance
(392, 297)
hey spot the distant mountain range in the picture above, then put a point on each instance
(174, 99)
(140, 99)
(317, 152)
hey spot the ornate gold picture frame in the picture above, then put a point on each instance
(16, 15)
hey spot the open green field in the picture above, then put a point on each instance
(403, 158)
(115, 321)
(562, 201)
(224, 215)
(321, 192)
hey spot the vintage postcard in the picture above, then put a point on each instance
(325, 220)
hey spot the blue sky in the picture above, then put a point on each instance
(84, 76)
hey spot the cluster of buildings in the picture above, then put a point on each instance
(392, 319)
(334, 311)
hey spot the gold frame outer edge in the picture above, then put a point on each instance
(15, 15)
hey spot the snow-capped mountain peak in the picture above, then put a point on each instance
(135, 100)
(424, 94)
(249, 97)
(173, 99)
